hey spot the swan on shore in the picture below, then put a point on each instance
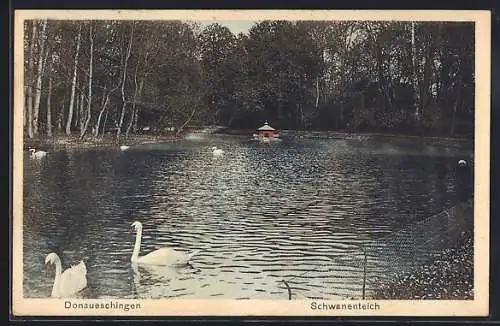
(217, 151)
(124, 147)
(37, 154)
(69, 282)
(162, 256)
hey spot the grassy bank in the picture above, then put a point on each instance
(449, 276)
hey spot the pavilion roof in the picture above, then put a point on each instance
(266, 127)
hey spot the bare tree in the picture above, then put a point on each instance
(89, 99)
(104, 106)
(80, 117)
(124, 79)
(137, 92)
(131, 121)
(49, 113)
(30, 80)
(73, 83)
(188, 119)
(38, 90)
(60, 114)
(49, 72)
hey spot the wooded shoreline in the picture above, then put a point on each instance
(119, 76)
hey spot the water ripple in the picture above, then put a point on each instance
(296, 211)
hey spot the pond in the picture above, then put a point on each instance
(261, 214)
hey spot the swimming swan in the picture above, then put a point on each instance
(124, 147)
(217, 151)
(69, 282)
(37, 154)
(162, 256)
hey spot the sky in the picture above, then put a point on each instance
(235, 26)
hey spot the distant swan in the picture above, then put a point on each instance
(37, 154)
(162, 256)
(462, 163)
(217, 151)
(124, 147)
(69, 282)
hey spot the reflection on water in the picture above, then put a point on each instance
(258, 215)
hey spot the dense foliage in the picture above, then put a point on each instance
(92, 77)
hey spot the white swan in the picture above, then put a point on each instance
(37, 154)
(124, 147)
(162, 256)
(69, 282)
(462, 163)
(217, 151)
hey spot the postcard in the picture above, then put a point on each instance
(251, 163)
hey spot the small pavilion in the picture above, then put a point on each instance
(266, 131)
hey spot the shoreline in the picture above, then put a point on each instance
(72, 141)
(345, 134)
(61, 141)
(447, 276)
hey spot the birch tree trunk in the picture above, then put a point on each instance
(104, 106)
(95, 129)
(29, 94)
(73, 84)
(136, 90)
(181, 128)
(38, 91)
(49, 113)
(104, 124)
(60, 114)
(99, 117)
(89, 100)
(141, 85)
(124, 102)
(76, 112)
(136, 115)
(48, 71)
(317, 92)
(80, 111)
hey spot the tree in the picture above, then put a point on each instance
(91, 68)
(217, 48)
(49, 109)
(125, 57)
(30, 75)
(73, 83)
(38, 89)
(407, 77)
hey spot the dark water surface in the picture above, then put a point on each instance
(260, 214)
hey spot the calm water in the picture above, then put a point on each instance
(261, 214)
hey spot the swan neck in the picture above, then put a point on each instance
(137, 246)
(57, 281)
